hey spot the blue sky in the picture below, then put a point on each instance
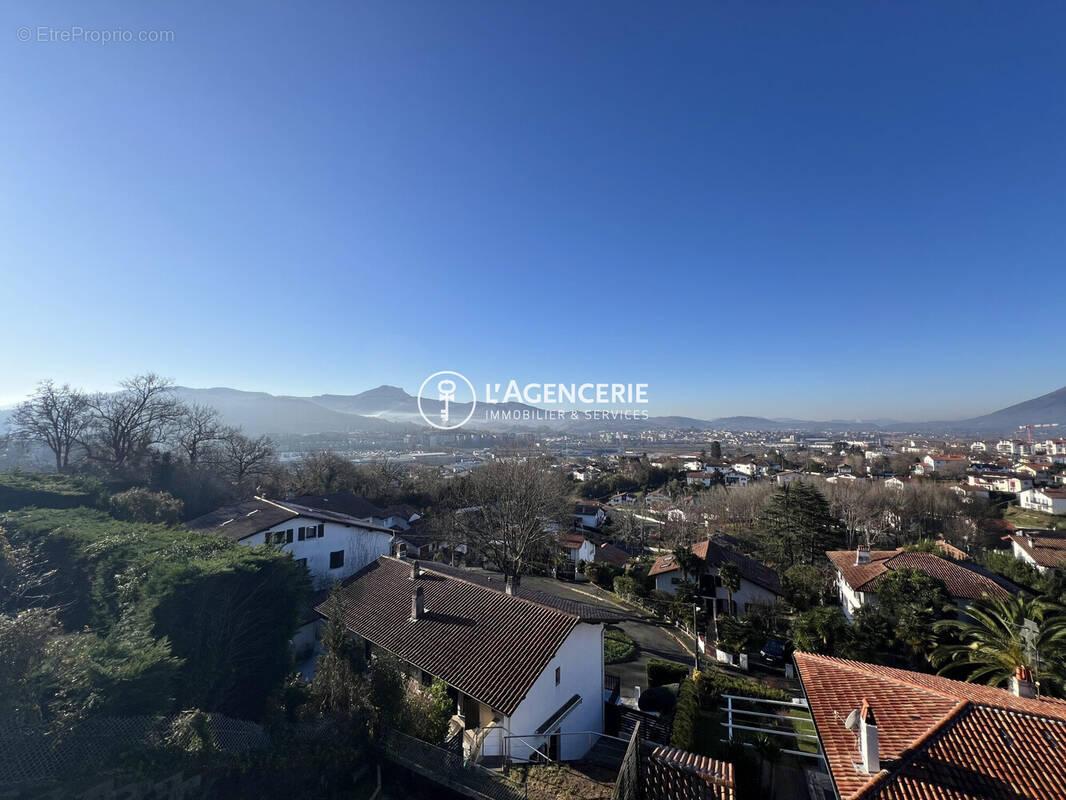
(812, 210)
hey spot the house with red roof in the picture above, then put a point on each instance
(859, 573)
(525, 677)
(892, 734)
(759, 584)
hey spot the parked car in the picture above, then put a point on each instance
(776, 651)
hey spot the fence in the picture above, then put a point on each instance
(446, 766)
(628, 785)
(783, 719)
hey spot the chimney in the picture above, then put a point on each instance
(862, 555)
(1022, 685)
(510, 584)
(289, 494)
(868, 749)
(418, 604)
(416, 571)
(1029, 540)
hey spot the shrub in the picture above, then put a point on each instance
(617, 647)
(658, 698)
(141, 505)
(661, 672)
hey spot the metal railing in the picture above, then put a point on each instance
(790, 721)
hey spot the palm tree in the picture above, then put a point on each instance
(687, 561)
(997, 636)
(729, 575)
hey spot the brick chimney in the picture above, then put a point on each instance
(418, 605)
(862, 555)
(868, 747)
(1021, 684)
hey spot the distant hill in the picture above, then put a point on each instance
(259, 412)
(1049, 408)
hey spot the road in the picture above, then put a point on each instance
(655, 639)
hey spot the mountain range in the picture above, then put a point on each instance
(392, 409)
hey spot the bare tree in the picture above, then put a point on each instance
(243, 457)
(127, 424)
(197, 430)
(514, 511)
(55, 416)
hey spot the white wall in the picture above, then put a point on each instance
(581, 661)
(360, 546)
(850, 600)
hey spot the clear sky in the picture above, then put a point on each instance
(834, 209)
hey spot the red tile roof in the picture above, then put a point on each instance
(1048, 548)
(488, 644)
(939, 739)
(672, 774)
(963, 582)
(713, 554)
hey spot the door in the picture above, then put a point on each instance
(553, 746)
(471, 712)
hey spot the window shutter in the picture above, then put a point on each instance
(288, 536)
(321, 530)
(302, 534)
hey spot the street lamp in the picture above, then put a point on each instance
(696, 632)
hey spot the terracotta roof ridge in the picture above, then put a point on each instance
(484, 588)
(856, 666)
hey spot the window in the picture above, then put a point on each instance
(288, 536)
(336, 559)
(321, 531)
(268, 537)
(302, 562)
(301, 534)
(558, 675)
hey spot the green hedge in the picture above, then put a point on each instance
(226, 611)
(20, 489)
(686, 716)
(661, 672)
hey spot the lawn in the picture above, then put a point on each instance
(1023, 518)
(617, 647)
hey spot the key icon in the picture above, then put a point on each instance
(446, 394)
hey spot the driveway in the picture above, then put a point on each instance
(655, 639)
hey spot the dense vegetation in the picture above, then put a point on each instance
(118, 617)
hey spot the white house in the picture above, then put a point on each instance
(331, 545)
(945, 463)
(589, 514)
(1048, 501)
(759, 585)
(577, 547)
(526, 678)
(860, 571)
(1001, 483)
(1045, 551)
